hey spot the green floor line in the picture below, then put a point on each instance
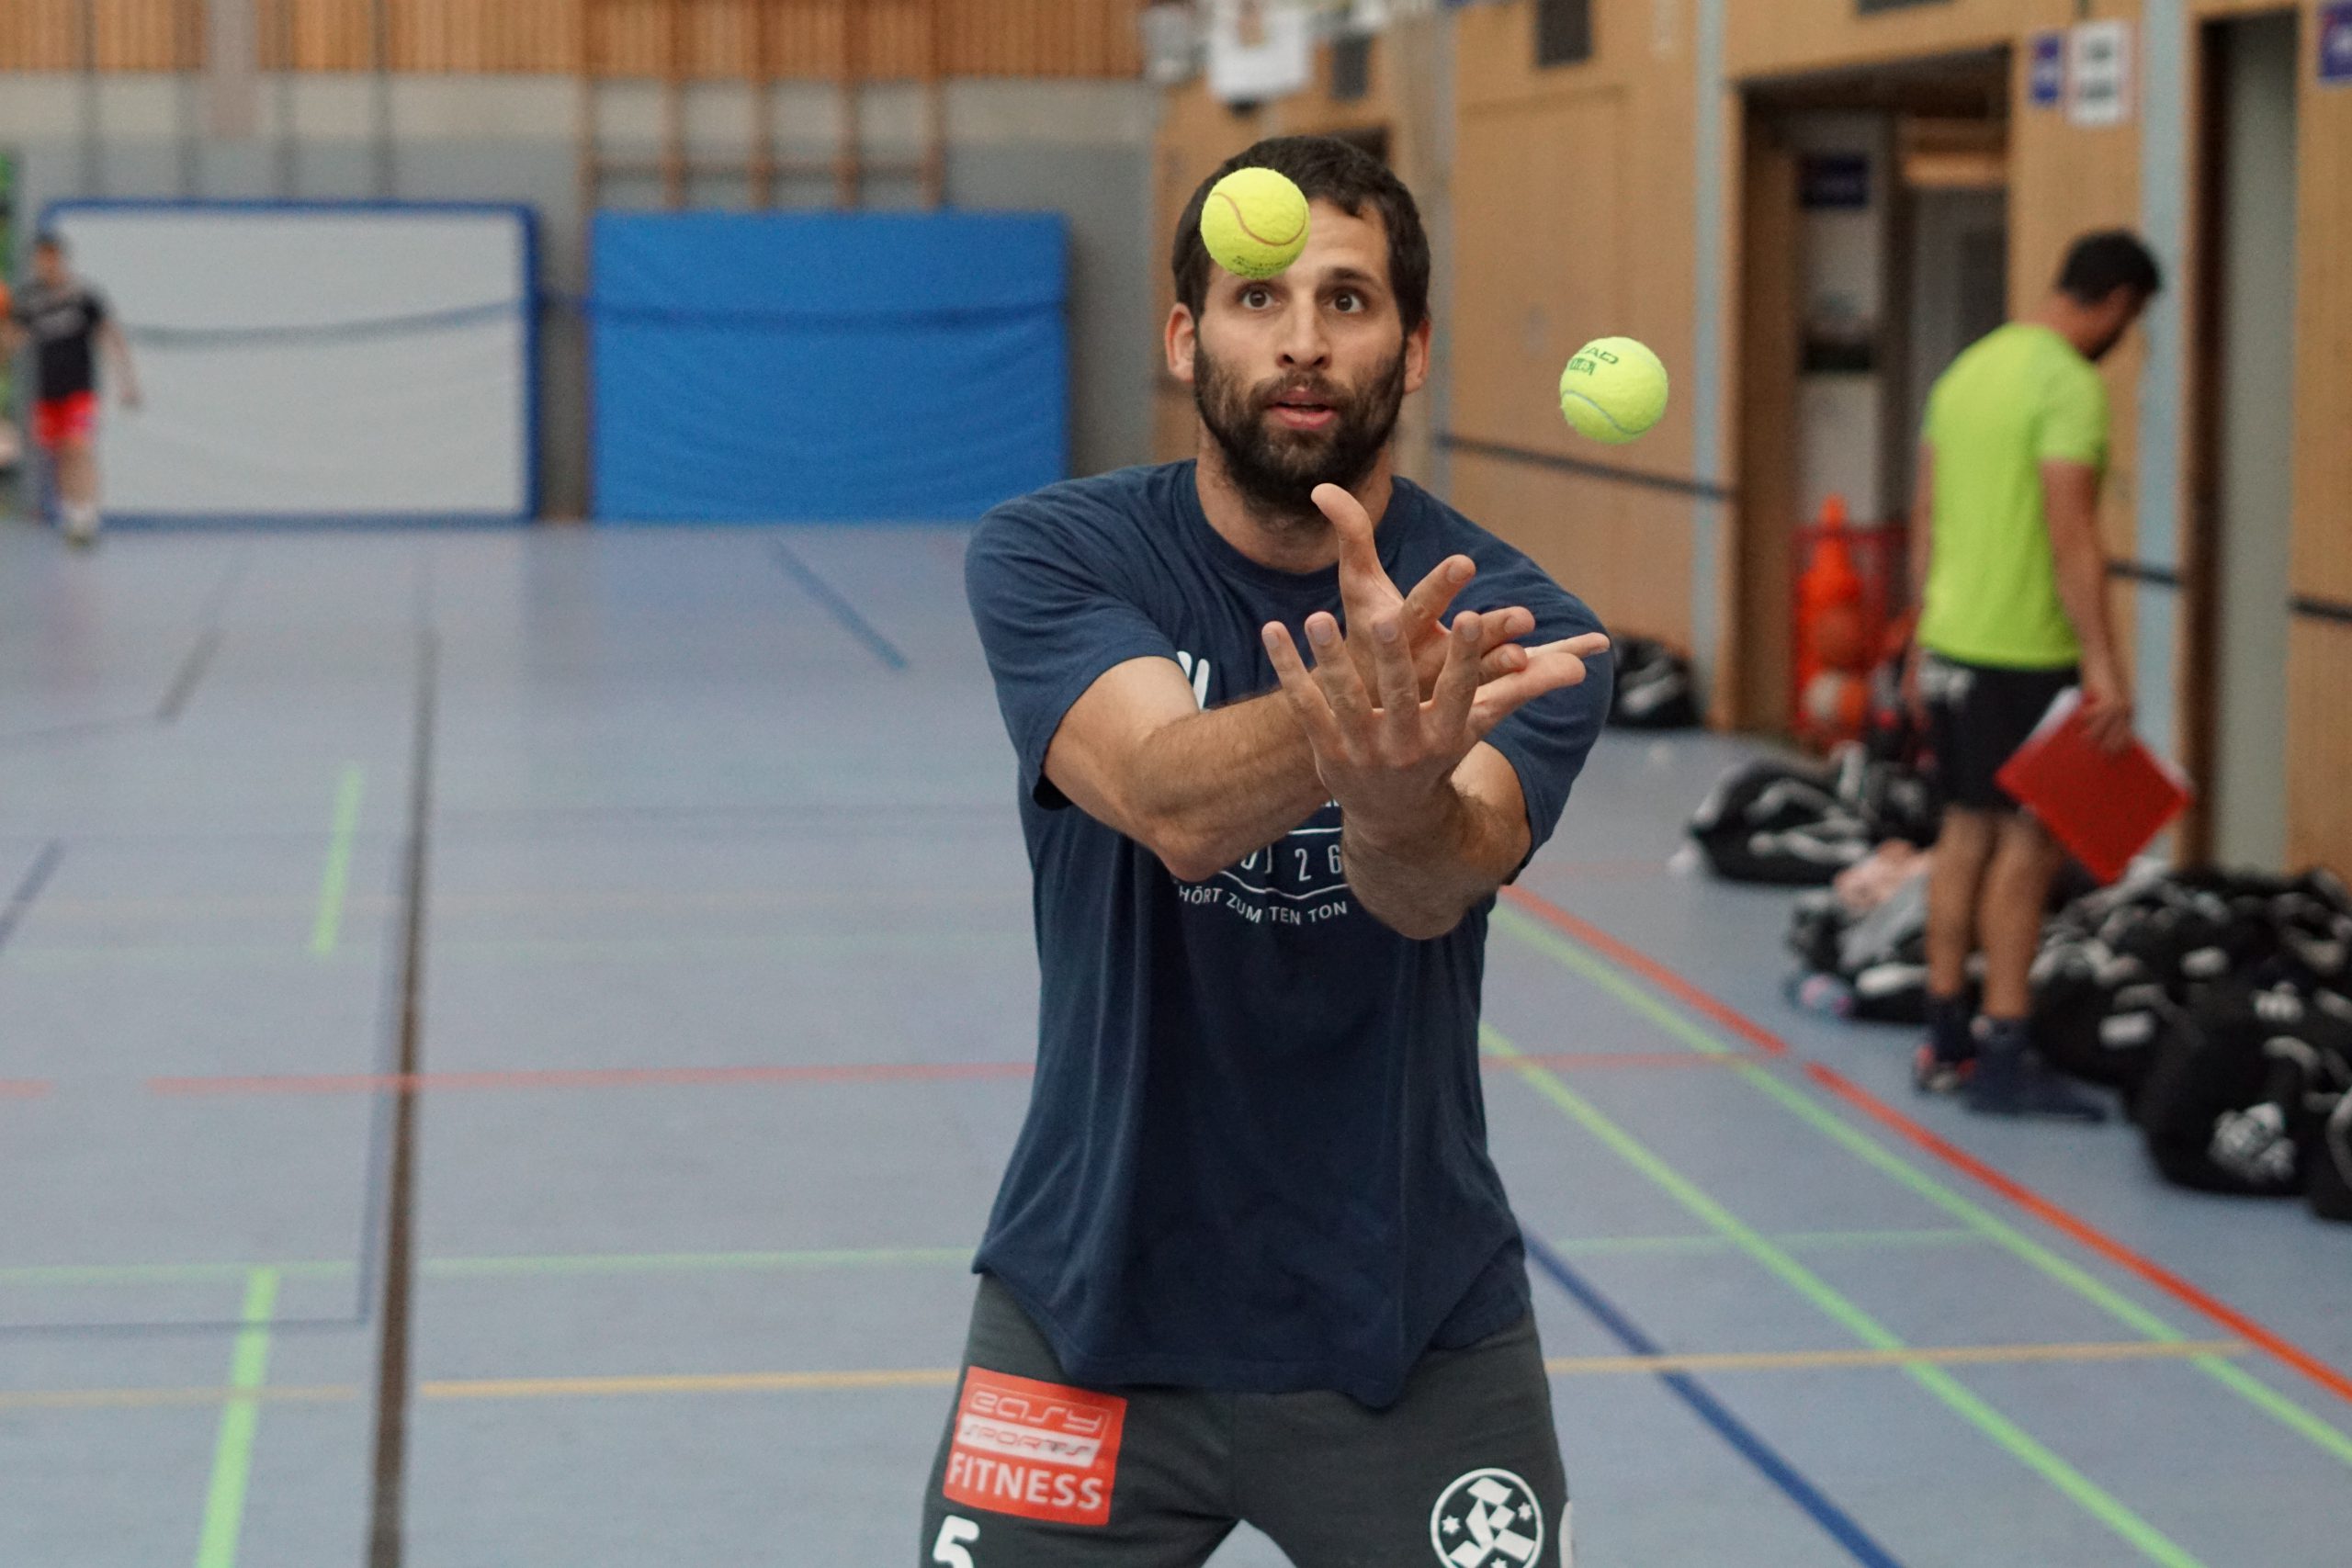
(232, 1452)
(54, 956)
(687, 1262)
(333, 882)
(80, 1274)
(1869, 1150)
(1826, 1299)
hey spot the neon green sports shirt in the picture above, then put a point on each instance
(2020, 397)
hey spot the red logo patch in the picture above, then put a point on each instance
(1036, 1449)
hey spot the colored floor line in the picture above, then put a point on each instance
(80, 1275)
(2319, 1432)
(534, 901)
(1744, 1441)
(837, 606)
(1638, 1364)
(233, 1450)
(29, 888)
(213, 956)
(326, 930)
(1834, 1304)
(780, 1073)
(24, 1089)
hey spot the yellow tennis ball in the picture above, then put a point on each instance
(1254, 223)
(1613, 389)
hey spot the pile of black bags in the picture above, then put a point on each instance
(1654, 689)
(2219, 1006)
(1799, 825)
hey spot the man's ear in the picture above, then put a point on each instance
(1416, 357)
(1183, 333)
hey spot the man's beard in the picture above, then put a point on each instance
(1277, 469)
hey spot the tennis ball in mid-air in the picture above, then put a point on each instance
(1254, 223)
(1613, 389)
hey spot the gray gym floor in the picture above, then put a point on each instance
(583, 980)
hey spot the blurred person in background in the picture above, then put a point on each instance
(2012, 582)
(67, 320)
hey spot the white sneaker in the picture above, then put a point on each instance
(81, 524)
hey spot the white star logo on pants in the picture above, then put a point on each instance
(1488, 1519)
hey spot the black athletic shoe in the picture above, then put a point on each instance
(2015, 1083)
(1934, 1073)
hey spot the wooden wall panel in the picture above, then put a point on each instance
(125, 35)
(975, 37)
(1793, 37)
(2322, 559)
(1572, 219)
(1196, 134)
(41, 34)
(2319, 757)
(1626, 552)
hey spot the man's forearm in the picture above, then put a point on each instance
(1421, 883)
(2082, 590)
(1227, 783)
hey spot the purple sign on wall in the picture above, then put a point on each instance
(2335, 43)
(2047, 85)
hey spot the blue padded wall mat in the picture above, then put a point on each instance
(839, 366)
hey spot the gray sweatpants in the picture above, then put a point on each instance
(1464, 1472)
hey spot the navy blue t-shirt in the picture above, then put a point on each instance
(1255, 1156)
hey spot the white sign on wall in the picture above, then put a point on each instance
(1259, 50)
(2099, 73)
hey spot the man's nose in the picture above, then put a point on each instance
(1303, 344)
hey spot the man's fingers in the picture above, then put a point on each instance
(1585, 645)
(1507, 659)
(1426, 606)
(1305, 697)
(1506, 624)
(1336, 675)
(1457, 684)
(1363, 582)
(1549, 668)
(1400, 686)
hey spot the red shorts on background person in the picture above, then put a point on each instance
(57, 421)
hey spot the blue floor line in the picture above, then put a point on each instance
(1840, 1526)
(840, 608)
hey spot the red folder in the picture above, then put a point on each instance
(2104, 807)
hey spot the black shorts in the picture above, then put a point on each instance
(1033, 1472)
(1978, 716)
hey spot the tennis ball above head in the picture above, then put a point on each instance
(1613, 389)
(1254, 223)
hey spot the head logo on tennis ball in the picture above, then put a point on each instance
(1254, 223)
(1613, 389)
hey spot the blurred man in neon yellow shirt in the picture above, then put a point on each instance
(2012, 583)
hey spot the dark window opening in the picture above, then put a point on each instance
(1563, 31)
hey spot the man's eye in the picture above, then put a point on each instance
(1347, 300)
(1256, 299)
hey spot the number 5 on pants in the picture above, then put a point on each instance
(953, 1534)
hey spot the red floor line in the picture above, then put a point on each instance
(2040, 1208)
(23, 1089)
(1573, 1060)
(639, 1078)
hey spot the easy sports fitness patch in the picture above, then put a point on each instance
(1036, 1449)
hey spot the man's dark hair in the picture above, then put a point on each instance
(2100, 264)
(49, 240)
(1324, 169)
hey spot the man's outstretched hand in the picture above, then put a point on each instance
(1385, 753)
(1366, 593)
